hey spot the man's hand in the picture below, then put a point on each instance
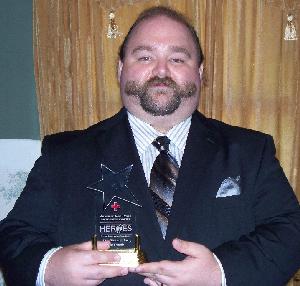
(198, 268)
(79, 265)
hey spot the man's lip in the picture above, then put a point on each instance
(159, 85)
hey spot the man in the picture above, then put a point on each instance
(233, 215)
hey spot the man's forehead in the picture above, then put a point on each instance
(161, 21)
(158, 26)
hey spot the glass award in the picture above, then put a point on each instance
(115, 216)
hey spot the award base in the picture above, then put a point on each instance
(131, 257)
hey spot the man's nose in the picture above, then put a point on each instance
(161, 69)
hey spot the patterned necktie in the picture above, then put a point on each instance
(163, 181)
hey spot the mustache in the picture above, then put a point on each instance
(169, 82)
(134, 88)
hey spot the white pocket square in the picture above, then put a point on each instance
(229, 187)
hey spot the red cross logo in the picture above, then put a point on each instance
(115, 206)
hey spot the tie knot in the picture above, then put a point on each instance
(161, 143)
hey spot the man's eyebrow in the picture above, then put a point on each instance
(142, 48)
(175, 49)
(183, 50)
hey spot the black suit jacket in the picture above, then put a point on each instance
(256, 235)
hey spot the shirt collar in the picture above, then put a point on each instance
(144, 134)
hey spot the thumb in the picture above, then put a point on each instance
(188, 248)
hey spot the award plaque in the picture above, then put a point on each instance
(115, 217)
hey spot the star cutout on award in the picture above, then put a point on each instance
(113, 185)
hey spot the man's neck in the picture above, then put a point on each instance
(160, 123)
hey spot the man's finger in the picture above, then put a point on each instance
(151, 282)
(101, 272)
(164, 267)
(149, 268)
(102, 245)
(112, 271)
(102, 257)
(188, 248)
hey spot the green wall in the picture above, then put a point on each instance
(18, 106)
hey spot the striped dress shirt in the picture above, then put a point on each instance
(144, 134)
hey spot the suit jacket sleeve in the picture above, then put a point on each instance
(25, 235)
(271, 253)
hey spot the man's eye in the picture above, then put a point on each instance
(177, 60)
(144, 59)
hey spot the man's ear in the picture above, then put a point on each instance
(120, 67)
(201, 71)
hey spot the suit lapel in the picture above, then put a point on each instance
(117, 150)
(201, 149)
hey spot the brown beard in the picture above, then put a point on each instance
(141, 91)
